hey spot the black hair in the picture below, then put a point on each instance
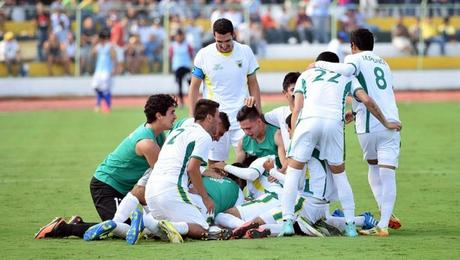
(290, 79)
(204, 107)
(158, 103)
(222, 26)
(363, 39)
(104, 33)
(225, 122)
(328, 56)
(288, 120)
(248, 113)
(248, 160)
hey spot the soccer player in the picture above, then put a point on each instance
(123, 167)
(380, 145)
(105, 70)
(318, 121)
(226, 67)
(185, 150)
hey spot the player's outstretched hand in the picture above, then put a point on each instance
(250, 101)
(269, 164)
(209, 204)
(394, 125)
(349, 117)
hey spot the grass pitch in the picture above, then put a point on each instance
(47, 160)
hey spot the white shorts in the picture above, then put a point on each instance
(383, 146)
(102, 81)
(326, 134)
(219, 150)
(252, 209)
(170, 205)
(143, 180)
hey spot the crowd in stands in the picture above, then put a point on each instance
(137, 27)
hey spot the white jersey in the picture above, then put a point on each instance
(375, 76)
(261, 185)
(277, 117)
(324, 93)
(225, 76)
(170, 171)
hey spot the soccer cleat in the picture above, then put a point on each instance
(394, 222)
(288, 228)
(171, 232)
(100, 230)
(75, 220)
(216, 233)
(136, 228)
(239, 232)
(369, 220)
(255, 233)
(48, 229)
(338, 213)
(350, 230)
(326, 229)
(307, 229)
(375, 231)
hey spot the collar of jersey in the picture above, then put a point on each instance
(226, 54)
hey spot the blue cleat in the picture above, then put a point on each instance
(137, 226)
(350, 230)
(369, 220)
(338, 213)
(288, 228)
(100, 230)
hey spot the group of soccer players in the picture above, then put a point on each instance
(169, 178)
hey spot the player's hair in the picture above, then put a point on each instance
(363, 39)
(104, 34)
(222, 26)
(204, 107)
(158, 103)
(288, 120)
(290, 79)
(248, 113)
(225, 122)
(328, 56)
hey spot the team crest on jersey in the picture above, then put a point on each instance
(218, 67)
(239, 63)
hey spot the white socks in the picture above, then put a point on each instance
(126, 207)
(290, 191)
(275, 229)
(345, 195)
(373, 176)
(339, 222)
(228, 220)
(181, 227)
(151, 223)
(121, 230)
(388, 179)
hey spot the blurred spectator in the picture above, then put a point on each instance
(318, 10)
(10, 53)
(337, 45)
(194, 35)
(56, 54)
(257, 40)
(217, 13)
(400, 37)
(304, 27)
(18, 11)
(284, 18)
(42, 21)
(117, 38)
(235, 15)
(152, 52)
(271, 28)
(88, 37)
(414, 32)
(144, 31)
(430, 35)
(133, 54)
(447, 30)
(70, 47)
(181, 55)
(60, 23)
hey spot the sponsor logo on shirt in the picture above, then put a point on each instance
(218, 67)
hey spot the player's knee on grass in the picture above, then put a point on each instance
(139, 193)
(234, 212)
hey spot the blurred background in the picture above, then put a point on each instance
(55, 38)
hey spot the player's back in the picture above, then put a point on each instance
(324, 93)
(374, 75)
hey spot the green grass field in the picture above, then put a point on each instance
(48, 158)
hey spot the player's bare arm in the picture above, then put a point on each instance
(298, 105)
(240, 153)
(281, 150)
(194, 174)
(254, 90)
(375, 110)
(149, 149)
(193, 93)
(345, 69)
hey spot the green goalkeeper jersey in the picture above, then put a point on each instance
(224, 192)
(122, 168)
(267, 147)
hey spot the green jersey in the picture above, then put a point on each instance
(122, 168)
(267, 147)
(224, 192)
